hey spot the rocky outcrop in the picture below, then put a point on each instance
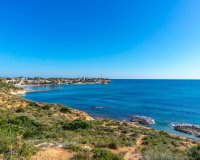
(187, 128)
(142, 119)
(18, 92)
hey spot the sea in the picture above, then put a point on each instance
(166, 101)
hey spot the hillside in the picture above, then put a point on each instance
(39, 131)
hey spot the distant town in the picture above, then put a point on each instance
(45, 81)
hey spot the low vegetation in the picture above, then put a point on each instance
(6, 86)
(65, 110)
(75, 125)
(194, 153)
(24, 129)
(12, 143)
(96, 154)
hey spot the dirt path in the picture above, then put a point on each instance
(132, 154)
(52, 153)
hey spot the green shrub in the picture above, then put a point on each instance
(72, 147)
(19, 110)
(34, 133)
(113, 145)
(23, 121)
(12, 145)
(65, 110)
(46, 107)
(106, 142)
(30, 127)
(104, 154)
(82, 156)
(33, 104)
(76, 124)
(194, 153)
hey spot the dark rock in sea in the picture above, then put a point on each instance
(187, 128)
(142, 119)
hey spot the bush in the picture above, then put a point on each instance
(82, 156)
(33, 104)
(104, 154)
(72, 147)
(30, 133)
(46, 107)
(194, 153)
(30, 127)
(96, 154)
(65, 110)
(12, 145)
(113, 145)
(76, 124)
(19, 110)
(23, 121)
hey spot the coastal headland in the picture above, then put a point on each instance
(21, 81)
(40, 131)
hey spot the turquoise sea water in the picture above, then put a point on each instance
(166, 101)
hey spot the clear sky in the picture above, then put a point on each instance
(109, 38)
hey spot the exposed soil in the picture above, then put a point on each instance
(132, 153)
(53, 153)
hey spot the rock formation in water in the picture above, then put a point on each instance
(187, 128)
(142, 119)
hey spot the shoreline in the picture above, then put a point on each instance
(38, 85)
(170, 130)
(25, 90)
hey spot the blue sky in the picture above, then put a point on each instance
(109, 38)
